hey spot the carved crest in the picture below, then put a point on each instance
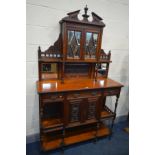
(73, 17)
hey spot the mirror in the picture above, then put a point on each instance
(91, 45)
(49, 71)
(73, 50)
(102, 69)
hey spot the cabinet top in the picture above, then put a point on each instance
(49, 86)
(73, 18)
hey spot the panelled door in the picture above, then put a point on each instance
(92, 105)
(81, 110)
(74, 106)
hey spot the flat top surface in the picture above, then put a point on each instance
(46, 86)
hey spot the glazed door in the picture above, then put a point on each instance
(91, 45)
(74, 44)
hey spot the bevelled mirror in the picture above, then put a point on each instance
(102, 68)
(73, 50)
(49, 71)
(91, 45)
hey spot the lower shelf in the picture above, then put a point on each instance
(73, 137)
(107, 113)
(51, 122)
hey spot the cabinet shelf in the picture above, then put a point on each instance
(75, 136)
(107, 113)
(74, 60)
(51, 123)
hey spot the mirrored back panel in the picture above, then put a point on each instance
(49, 71)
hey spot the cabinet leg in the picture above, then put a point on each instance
(63, 143)
(97, 127)
(111, 129)
(112, 124)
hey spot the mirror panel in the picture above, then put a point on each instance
(49, 71)
(73, 50)
(102, 68)
(91, 45)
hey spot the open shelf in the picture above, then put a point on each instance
(51, 123)
(75, 136)
(107, 113)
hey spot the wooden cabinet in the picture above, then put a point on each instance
(73, 84)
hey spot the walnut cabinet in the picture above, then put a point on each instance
(73, 84)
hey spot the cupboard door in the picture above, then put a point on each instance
(92, 104)
(91, 110)
(74, 110)
(73, 44)
(91, 43)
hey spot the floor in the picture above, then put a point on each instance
(117, 145)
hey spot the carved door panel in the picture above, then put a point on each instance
(74, 110)
(81, 110)
(92, 106)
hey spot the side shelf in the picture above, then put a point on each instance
(47, 123)
(107, 113)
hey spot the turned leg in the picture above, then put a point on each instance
(63, 143)
(116, 103)
(97, 127)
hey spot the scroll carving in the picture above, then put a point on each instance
(73, 17)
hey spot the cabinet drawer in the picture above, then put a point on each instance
(83, 94)
(52, 97)
(110, 92)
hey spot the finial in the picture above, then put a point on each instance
(85, 10)
(85, 15)
(39, 49)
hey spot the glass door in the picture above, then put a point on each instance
(91, 42)
(73, 44)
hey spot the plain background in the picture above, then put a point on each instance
(43, 29)
(13, 77)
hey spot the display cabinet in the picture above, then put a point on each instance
(73, 84)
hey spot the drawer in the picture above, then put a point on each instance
(52, 97)
(110, 92)
(83, 94)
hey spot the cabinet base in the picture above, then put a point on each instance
(73, 137)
